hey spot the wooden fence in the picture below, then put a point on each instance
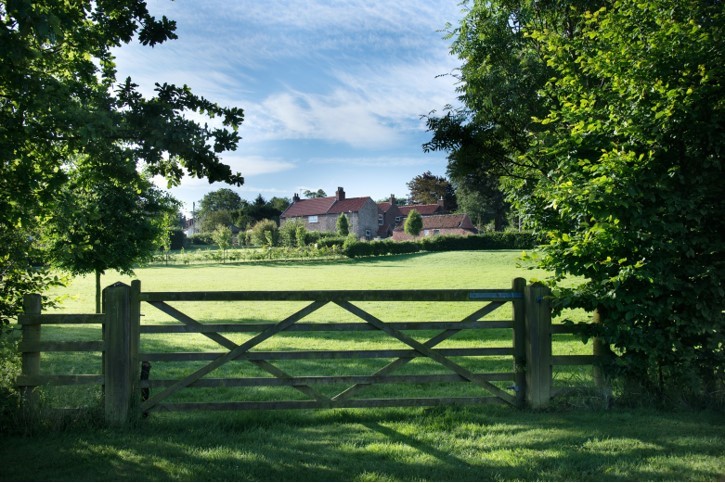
(528, 383)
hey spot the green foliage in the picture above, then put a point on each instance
(288, 232)
(357, 249)
(342, 225)
(621, 111)
(106, 216)
(222, 236)
(320, 193)
(265, 233)
(10, 368)
(61, 101)
(413, 223)
(487, 241)
(428, 189)
(301, 236)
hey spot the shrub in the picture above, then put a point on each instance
(200, 239)
(265, 233)
(9, 371)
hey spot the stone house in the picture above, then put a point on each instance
(389, 216)
(320, 214)
(439, 225)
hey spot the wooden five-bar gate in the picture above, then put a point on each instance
(129, 392)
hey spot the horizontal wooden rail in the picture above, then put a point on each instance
(58, 346)
(346, 404)
(479, 295)
(305, 380)
(294, 355)
(60, 380)
(321, 327)
(61, 319)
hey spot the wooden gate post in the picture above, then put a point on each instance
(538, 345)
(603, 353)
(121, 366)
(31, 338)
(519, 341)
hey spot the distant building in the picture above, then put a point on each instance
(424, 210)
(320, 214)
(389, 216)
(439, 225)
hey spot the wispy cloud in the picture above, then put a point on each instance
(347, 79)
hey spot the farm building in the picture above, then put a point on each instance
(320, 214)
(440, 225)
(389, 216)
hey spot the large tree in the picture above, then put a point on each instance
(113, 221)
(615, 152)
(427, 188)
(220, 207)
(59, 98)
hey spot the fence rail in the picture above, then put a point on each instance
(530, 350)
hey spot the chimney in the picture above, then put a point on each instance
(295, 198)
(340, 194)
(441, 203)
(392, 200)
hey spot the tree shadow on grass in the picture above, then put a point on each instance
(440, 444)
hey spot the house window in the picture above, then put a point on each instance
(398, 218)
(312, 219)
(368, 234)
(380, 220)
(436, 232)
(426, 232)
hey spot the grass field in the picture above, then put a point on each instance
(436, 444)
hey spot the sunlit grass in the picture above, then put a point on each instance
(467, 270)
(487, 443)
(441, 444)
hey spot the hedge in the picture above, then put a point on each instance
(486, 241)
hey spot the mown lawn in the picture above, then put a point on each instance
(475, 444)
(434, 444)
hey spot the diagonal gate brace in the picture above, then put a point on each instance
(400, 362)
(426, 351)
(228, 344)
(233, 354)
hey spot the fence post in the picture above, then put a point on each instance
(538, 345)
(603, 352)
(121, 371)
(519, 341)
(31, 338)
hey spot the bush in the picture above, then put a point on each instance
(265, 233)
(178, 240)
(9, 371)
(200, 239)
(489, 241)
(328, 242)
(355, 248)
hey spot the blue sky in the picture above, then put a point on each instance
(332, 91)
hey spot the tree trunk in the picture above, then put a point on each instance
(98, 291)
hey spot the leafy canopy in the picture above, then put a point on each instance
(603, 120)
(60, 100)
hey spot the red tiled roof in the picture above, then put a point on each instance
(384, 207)
(437, 222)
(323, 206)
(424, 210)
(312, 206)
(348, 204)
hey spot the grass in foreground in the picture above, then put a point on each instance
(451, 444)
(438, 444)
